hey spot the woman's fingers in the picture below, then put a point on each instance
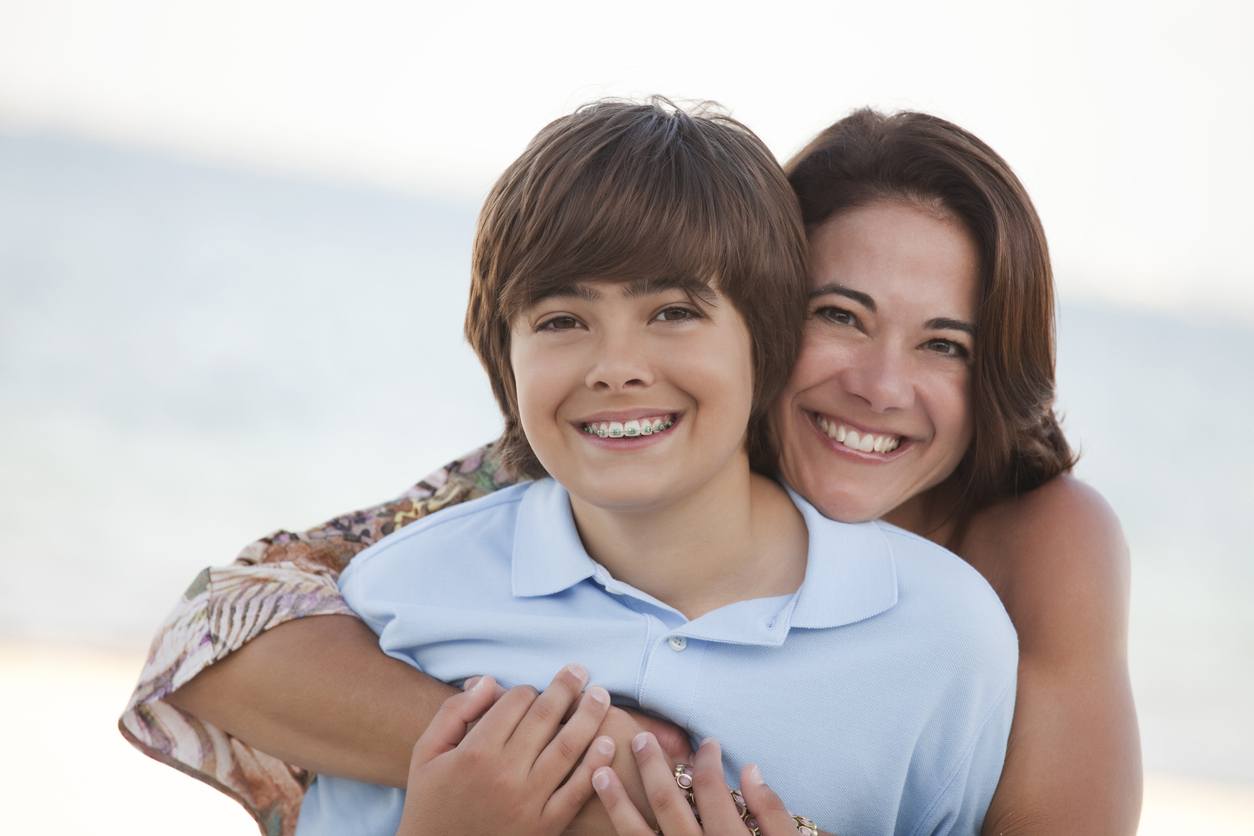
(562, 807)
(539, 725)
(670, 805)
(623, 814)
(768, 808)
(448, 726)
(714, 800)
(568, 746)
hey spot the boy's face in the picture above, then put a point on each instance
(632, 396)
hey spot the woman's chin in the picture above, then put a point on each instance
(846, 506)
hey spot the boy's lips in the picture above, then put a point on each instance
(627, 415)
(617, 429)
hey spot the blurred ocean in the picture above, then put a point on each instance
(191, 356)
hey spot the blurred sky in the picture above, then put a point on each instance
(1129, 122)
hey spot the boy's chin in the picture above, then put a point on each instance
(623, 492)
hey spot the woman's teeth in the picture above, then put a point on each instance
(629, 429)
(863, 443)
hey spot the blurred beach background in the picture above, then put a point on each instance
(234, 247)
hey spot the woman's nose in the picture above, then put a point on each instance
(881, 377)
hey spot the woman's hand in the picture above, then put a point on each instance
(675, 817)
(508, 773)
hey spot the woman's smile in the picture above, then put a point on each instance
(878, 407)
(860, 442)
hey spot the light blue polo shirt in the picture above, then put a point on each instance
(877, 698)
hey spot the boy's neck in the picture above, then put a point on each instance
(738, 537)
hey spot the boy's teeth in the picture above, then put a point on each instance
(862, 442)
(629, 429)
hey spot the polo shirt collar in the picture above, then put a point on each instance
(850, 573)
(548, 555)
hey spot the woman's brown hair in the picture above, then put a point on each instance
(628, 191)
(1018, 444)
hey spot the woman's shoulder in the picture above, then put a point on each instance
(1057, 558)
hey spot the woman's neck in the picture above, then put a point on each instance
(738, 537)
(934, 514)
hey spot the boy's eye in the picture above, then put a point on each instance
(562, 322)
(677, 313)
(948, 348)
(836, 316)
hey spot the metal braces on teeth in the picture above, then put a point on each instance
(646, 429)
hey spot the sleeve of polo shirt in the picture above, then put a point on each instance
(963, 800)
(274, 580)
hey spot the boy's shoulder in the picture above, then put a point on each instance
(922, 557)
(938, 587)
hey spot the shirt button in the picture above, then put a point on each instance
(677, 643)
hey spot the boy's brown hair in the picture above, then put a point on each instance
(627, 191)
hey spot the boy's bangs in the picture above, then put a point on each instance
(652, 227)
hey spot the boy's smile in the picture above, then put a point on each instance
(628, 429)
(633, 395)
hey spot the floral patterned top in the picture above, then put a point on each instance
(278, 578)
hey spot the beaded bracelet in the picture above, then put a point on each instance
(684, 780)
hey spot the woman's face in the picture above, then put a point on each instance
(878, 409)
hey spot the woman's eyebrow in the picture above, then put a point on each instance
(946, 324)
(840, 290)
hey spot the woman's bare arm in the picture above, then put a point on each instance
(1059, 561)
(317, 692)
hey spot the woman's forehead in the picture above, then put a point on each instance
(894, 254)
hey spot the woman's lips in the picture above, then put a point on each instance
(858, 442)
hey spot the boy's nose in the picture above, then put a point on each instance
(619, 365)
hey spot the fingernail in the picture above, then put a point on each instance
(579, 671)
(599, 694)
(639, 741)
(601, 778)
(605, 745)
(471, 682)
(482, 683)
(755, 775)
(709, 741)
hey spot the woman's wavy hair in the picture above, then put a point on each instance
(868, 156)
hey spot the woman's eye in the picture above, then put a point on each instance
(558, 323)
(677, 314)
(836, 316)
(948, 348)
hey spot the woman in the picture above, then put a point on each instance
(930, 338)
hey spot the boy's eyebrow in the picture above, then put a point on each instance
(634, 288)
(643, 287)
(579, 291)
(858, 296)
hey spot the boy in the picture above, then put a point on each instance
(637, 299)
